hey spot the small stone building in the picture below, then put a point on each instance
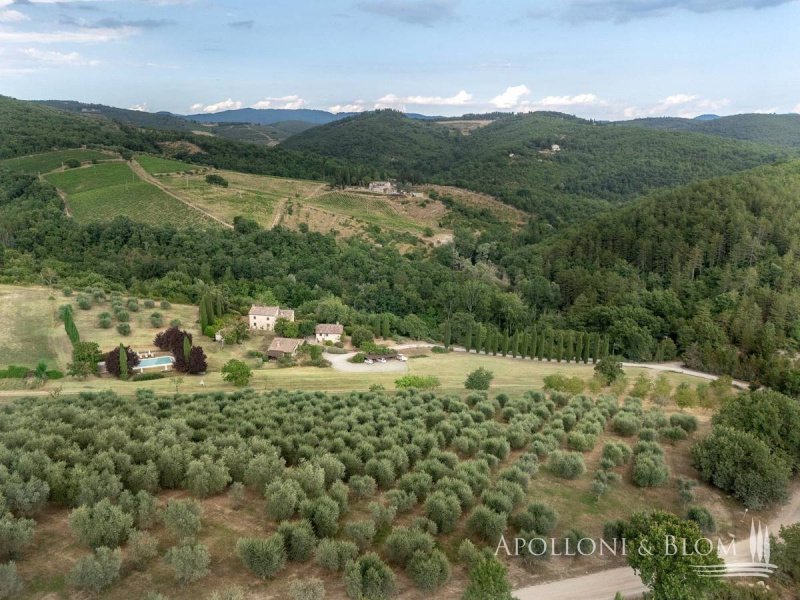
(280, 347)
(264, 317)
(329, 332)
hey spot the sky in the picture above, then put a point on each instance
(605, 59)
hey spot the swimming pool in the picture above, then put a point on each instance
(163, 362)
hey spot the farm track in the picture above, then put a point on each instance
(278, 216)
(145, 176)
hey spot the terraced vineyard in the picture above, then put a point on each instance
(49, 161)
(103, 192)
(156, 165)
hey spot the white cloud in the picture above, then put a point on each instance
(796, 109)
(12, 16)
(77, 37)
(283, 103)
(228, 104)
(678, 105)
(355, 106)
(511, 97)
(54, 58)
(400, 102)
(140, 107)
(561, 102)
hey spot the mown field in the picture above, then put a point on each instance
(102, 192)
(49, 161)
(156, 165)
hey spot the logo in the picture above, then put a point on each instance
(759, 565)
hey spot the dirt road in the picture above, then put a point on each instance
(603, 585)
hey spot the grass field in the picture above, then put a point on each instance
(157, 165)
(49, 161)
(103, 192)
(370, 210)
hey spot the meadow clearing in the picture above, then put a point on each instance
(35, 164)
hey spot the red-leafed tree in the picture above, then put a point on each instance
(197, 361)
(171, 340)
(112, 360)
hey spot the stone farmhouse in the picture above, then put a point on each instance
(329, 332)
(280, 347)
(263, 318)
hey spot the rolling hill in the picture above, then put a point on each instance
(780, 130)
(593, 166)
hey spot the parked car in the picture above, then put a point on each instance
(382, 361)
(368, 361)
(401, 357)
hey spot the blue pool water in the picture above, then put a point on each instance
(155, 361)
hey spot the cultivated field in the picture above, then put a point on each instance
(156, 165)
(102, 192)
(49, 161)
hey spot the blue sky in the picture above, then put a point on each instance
(594, 58)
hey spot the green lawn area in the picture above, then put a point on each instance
(29, 329)
(155, 165)
(370, 209)
(48, 161)
(103, 192)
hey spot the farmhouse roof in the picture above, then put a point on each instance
(286, 313)
(280, 344)
(329, 328)
(264, 311)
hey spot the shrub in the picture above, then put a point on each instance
(214, 179)
(237, 495)
(122, 316)
(486, 524)
(182, 518)
(703, 518)
(443, 509)
(307, 589)
(537, 518)
(283, 499)
(787, 553)
(360, 532)
(609, 369)
(582, 442)
(15, 535)
(164, 305)
(567, 465)
(310, 477)
(686, 422)
(363, 486)
(103, 524)
(479, 379)
(149, 303)
(429, 570)
(324, 516)
(264, 557)
(156, 320)
(298, 540)
(361, 335)
(369, 578)
(142, 548)
(104, 321)
(420, 382)
(124, 329)
(335, 554)
(263, 469)
(625, 424)
(618, 453)
(673, 434)
(84, 302)
(10, 581)
(742, 464)
(205, 477)
(189, 561)
(96, 571)
(381, 470)
(236, 372)
(469, 555)
(488, 579)
(403, 542)
(649, 470)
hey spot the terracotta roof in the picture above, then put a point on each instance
(286, 313)
(280, 344)
(330, 328)
(264, 311)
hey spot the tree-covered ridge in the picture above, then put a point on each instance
(780, 130)
(513, 158)
(713, 266)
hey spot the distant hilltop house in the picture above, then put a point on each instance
(555, 148)
(382, 187)
(280, 347)
(329, 332)
(264, 317)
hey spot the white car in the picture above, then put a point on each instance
(382, 361)
(401, 357)
(368, 361)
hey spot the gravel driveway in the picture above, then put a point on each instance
(339, 362)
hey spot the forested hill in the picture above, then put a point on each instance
(712, 266)
(779, 130)
(594, 166)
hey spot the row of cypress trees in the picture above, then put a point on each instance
(569, 346)
(211, 309)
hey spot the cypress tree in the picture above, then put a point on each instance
(203, 317)
(533, 344)
(123, 363)
(597, 346)
(477, 341)
(504, 343)
(587, 342)
(219, 310)
(659, 352)
(579, 348)
(495, 342)
(187, 348)
(468, 337)
(560, 348)
(524, 340)
(71, 328)
(605, 347)
(515, 344)
(487, 341)
(570, 351)
(386, 327)
(209, 302)
(447, 334)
